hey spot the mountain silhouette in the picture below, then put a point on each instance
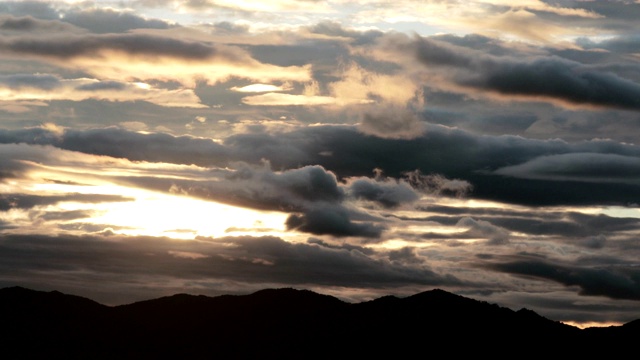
(286, 324)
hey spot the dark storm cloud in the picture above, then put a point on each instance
(453, 161)
(245, 259)
(332, 220)
(616, 282)
(111, 21)
(37, 81)
(550, 77)
(263, 188)
(24, 201)
(70, 46)
(120, 143)
(388, 193)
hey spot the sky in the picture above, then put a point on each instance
(356, 148)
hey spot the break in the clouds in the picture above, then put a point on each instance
(354, 148)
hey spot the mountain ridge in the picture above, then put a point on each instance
(279, 322)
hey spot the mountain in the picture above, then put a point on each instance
(288, 323)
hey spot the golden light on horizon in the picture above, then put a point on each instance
(157, 214)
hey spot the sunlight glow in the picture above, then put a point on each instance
(158, 214)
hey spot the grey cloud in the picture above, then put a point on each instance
(229, 28)
(480, 228)
(260, 187)
(38, 9)
(102, 85)
(619, 282)
(322, 220)
(573, 225)
(437, 184)
(388, 193)
(617, 16)
(70, 46)
(121, 143)
(65, 215)
(551, 77)
(405, 255)
(626, 44)
(341, 246)
(24, 201)
(593, 167)
(392, 123)
(30, 25)
(38, 81)
(111, 21)
(594, 242)
(335, 29)
(104, 229)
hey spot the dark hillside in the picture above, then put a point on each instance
(287, 323)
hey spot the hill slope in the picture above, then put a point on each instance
(286, 323)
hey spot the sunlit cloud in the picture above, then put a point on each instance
(26, 89)
(118, 56)
(260, 88)
(278, 99)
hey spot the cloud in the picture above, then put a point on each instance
(277, 99)
(38, 9)
(594, 242)
(619, 282)
(27, 24)
(484, 229)
(26, 88)
(120, 143)
(25, 201)
(549, 78)
(392, 123)
(591, 167)
(311, 195)
(259, 88)
(458, 163)
(45, 82)
(333, 220)
(437, 184)
(387, 192)
(99, 20)
(570, 225)
(149, 57)
(251, 6)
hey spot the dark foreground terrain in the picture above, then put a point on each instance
(288, 323)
